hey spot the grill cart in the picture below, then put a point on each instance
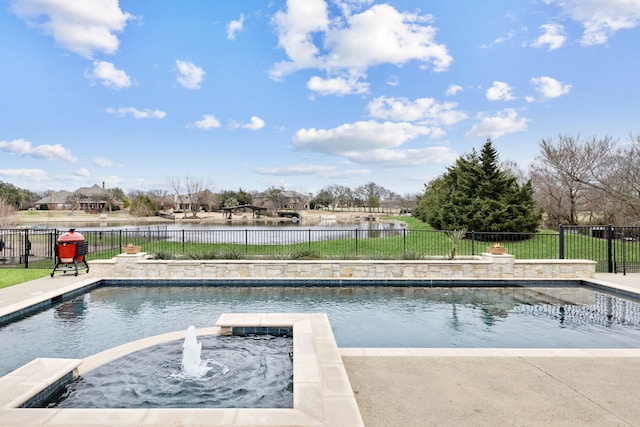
(71, 249)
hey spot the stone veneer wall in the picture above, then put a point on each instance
(486, 266)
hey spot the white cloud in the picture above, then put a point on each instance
(22, 147)
(601, 19)
(137, 114)
(102, 162)
(234, 27)
(393, 80)
(453, 90)
(337, 86)
(371, 142)
(37, 175)
(256, 123)
(549, 87)
(421, 110)
(553, 37)
(110, 76)
(502, 123)
(189, 75)
(354, 42)
(208, 122)
(406, 157)
(500, 91)
(82, 27)
(321, 171)
(82, 172)
(347, 7)
(380, 35)
(295, 28)
(510, 35)
(357, 136)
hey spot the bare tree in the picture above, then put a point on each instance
(598, 175)
(512, 168)
(565, 169)
(342, 196)
(176, 186)
(195, 188)
(276, 196)
(210, 200)
(113, 195)
(74, 200)
(7, 211)
(551, 195)
(621, 179)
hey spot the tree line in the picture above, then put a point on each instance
(573, 180)
(588, 180)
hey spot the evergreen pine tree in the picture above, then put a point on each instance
(475, 194)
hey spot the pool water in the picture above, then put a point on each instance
(463, 317)
(243, 372)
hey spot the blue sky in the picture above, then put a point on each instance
(302, 94)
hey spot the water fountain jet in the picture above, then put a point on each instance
(192, 364)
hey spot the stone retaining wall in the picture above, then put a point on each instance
(486, 266)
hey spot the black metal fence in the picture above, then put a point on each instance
(616, 249)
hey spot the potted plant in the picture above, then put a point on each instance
(131, 249)
(497, 249)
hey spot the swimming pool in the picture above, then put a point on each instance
(360, 316)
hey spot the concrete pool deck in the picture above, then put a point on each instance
(465, 387)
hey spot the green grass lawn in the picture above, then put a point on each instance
(415, 242)
(14, 276)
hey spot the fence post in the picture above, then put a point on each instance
(27, 248)
(51, 244)
(404, 240)
(356, 239)
(610, 248)
(560, 241)
(473, 243)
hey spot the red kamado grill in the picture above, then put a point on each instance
(71, 249)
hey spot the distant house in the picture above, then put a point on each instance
(94, 198)
(286, 200)
(182, 202)
(206, 200)
(56, 200)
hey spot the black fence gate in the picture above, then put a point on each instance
(616, 249)
(19, 247)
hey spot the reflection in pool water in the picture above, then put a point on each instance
(480, 317)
